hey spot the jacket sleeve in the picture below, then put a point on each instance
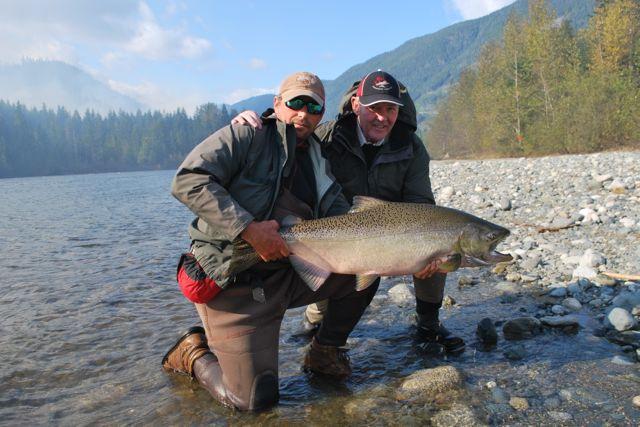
(203, 178)
(340, 204)
(417, 185)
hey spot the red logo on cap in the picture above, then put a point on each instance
(380, 83)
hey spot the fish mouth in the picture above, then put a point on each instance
(495, 257)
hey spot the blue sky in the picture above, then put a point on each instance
(171, 53)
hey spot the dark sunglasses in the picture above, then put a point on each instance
(313, 107)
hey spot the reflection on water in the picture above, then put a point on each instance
(89, 306)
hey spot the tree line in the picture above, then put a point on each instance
(547, 89)
(46, 142)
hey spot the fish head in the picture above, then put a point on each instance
(478, 241)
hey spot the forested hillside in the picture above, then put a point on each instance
(46, 142)
(429, 64)
(546, 88)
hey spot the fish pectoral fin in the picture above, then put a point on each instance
(290, 220)
(312, 275)
(451, 263)
(363, 281)
(363, 203)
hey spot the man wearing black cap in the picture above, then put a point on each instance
(374, 151)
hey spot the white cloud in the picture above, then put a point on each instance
(240, 94)
(32, 28)
(470, 9)
(151, 41)
(61, 30)
(257, 64)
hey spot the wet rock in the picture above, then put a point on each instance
(466, 281)
(552, 402)
(499, 395)
(521, 328)
(519, 403)
(566, 394)
(507, 287)
(486, 332)
(402, 294)
(584, 284)
(621, 319)
(427, 382)
(626, 300)
(621, 360)
(448, 301)
(560, 416)
(457, 415)
(625, 338)
(558, 292)
(636, 401)
(363, 408)
(572, 304)
(574, 288)
(560, 321)
(558, 309)
(515, 352)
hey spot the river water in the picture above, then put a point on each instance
(89, 306)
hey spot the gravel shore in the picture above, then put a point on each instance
(552, 337)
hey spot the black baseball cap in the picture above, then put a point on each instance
(379, 86)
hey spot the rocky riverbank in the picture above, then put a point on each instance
(552, 337)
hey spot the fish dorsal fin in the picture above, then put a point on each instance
(290, 220)
(363, 203)
(364, 281)
(312, 275)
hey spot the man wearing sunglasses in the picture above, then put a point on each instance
(374, 151)
(241, 182)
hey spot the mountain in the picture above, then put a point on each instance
(55, 83)
(429, 64)
(256, 103)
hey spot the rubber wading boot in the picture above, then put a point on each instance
(327, 360)
(191, 346)
(435, 335)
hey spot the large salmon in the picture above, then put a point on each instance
(378, 238)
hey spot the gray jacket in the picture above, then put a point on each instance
(234, 177)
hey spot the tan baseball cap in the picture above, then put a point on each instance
(302, 84)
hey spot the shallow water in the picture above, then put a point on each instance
(89, 306)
